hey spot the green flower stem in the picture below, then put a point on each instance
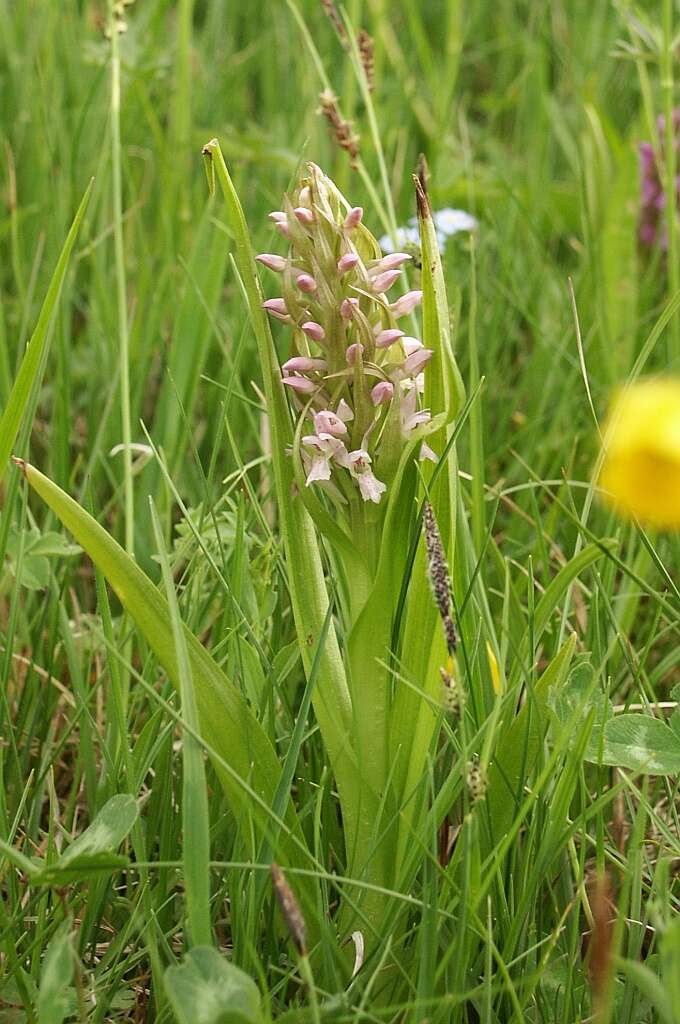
(309, 597)
(121, 288)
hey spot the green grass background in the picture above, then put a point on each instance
(529, 114)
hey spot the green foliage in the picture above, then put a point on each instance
(469, 905)
(93, 852)
(55, 994)
(207, 989)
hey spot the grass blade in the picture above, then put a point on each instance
(33, 364)
(195, 814)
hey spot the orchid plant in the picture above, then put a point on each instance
(372, 418)
(363, 419)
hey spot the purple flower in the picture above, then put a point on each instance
(306, 283)
(303, 364)
(383, 282)
(327, 422)
(278, 309)
(382, 392)
(347, 262)
(652, 228)
(406, 303)
(272, 261)
(313, 331)
(388, 337)
(300, 383)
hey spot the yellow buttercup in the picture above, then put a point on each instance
(640, 473)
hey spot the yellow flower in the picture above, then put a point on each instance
(640, 473)
(493, 669)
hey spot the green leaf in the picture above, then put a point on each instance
(28, 553)
(641, 743)
(32, 365)
(93, 852)
(573, 704)
(651, 987)
(207, 989)
(517, 750)
(674, 720)
(195, 811)
(247, 764)
(56, 999)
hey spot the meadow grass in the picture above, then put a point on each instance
(148, 409)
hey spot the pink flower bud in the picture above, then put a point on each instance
(327, 422)
(306, 283)
(411, 345)
(275, 306)
(353, 351)
(353, 218)
(414, 363)
(305, 197)
(272, 261)
(406, 303)
(383, 282)
(304, 215)
(347, 308)
(388, 337)
(280, 222)
(314, 331)
(427, 453)
(391, 262)
(278, 309)
(301, 384)
(382, 392)
(344, 411)
(347, 262)
(303, 364)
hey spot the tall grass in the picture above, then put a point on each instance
(552, 896)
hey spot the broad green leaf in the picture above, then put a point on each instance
(228, 725)
(518, 747)
(573, 704)
(641, 743)
(93, 853)
(56, 998)
(32, 365)
(207, 989)
(28, 555)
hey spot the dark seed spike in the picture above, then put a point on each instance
(290, 908)
(333, 15)
(343, 131)
(366, 52)
(451, 634)
(437, 566)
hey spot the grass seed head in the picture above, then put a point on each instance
(290, 908)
